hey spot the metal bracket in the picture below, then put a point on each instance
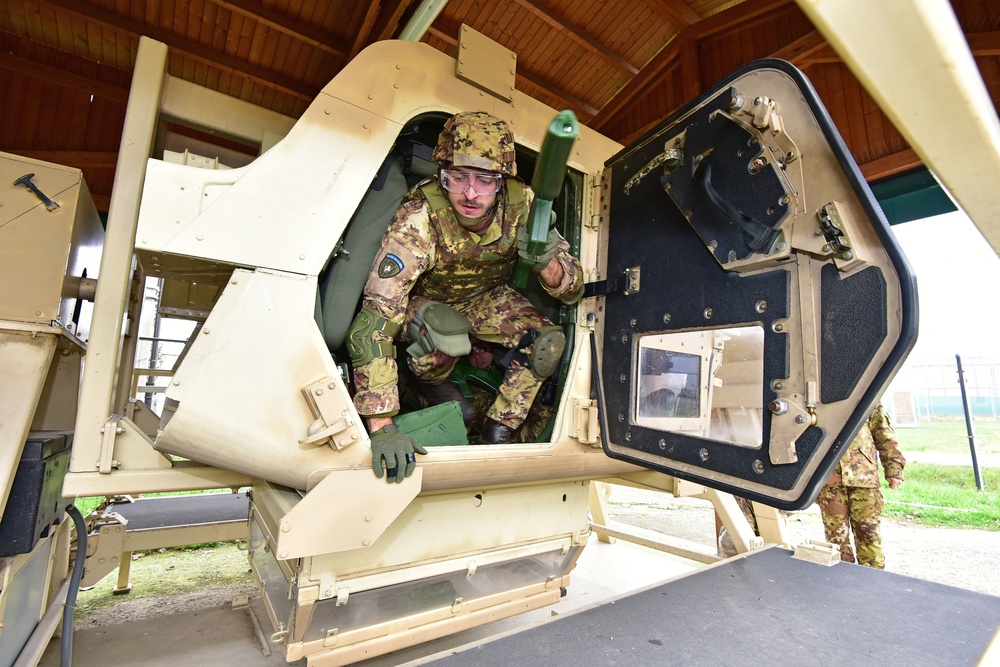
(125, 446)
(632, 280)
(105, 545)
(789, 420)
(833, 230)
(834, 227)
(818, 551)
(110, 429)
(334, 420)
(627, 283)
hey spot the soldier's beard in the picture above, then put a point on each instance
(476, 224)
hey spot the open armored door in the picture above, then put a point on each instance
(756, 303)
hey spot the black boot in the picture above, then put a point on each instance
(437, 394)
(495, 433)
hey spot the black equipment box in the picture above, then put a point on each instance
(35, 503)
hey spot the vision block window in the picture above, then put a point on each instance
(672, 384)
(707, 383)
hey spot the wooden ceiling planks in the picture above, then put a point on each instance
(622, 65)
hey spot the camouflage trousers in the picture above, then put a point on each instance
(848, 509)
(500, 316)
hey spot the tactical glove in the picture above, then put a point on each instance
(540, 261)
(394, 451)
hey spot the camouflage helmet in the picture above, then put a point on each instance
(479, 140)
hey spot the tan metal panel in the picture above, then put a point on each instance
(35, 242)
(25, 356)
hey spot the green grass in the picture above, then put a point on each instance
(946, 496)
(167, 572)
(949, 436)
(943, 495)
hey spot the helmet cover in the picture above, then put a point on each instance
(478, 140)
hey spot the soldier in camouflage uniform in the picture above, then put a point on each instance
(851, 500)
(441, 274)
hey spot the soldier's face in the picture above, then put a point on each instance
(467, 202)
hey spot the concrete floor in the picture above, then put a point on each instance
(224, 636)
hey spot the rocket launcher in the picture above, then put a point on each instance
(547, 183)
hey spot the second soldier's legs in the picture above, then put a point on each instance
(833, 504)
(866, 512)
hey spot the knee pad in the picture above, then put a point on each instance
(547, 345)
(546, 351)
(438, 326)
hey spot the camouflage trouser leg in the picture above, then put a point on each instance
(504, 316)
(517, 393)
(499, 316)
(832, 501)
(866, 513)
(846, 509)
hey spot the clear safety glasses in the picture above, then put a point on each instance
(459, 181)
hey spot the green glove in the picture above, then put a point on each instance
(540, 261)
(394, 451)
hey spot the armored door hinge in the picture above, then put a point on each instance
(586, 426)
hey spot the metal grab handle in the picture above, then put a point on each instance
(758, 236)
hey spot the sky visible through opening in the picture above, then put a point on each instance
(958, 276)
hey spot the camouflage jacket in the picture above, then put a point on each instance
(876, 441)
(426, 252)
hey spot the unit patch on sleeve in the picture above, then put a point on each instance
(389, 266)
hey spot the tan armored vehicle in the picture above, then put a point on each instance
(746, 305)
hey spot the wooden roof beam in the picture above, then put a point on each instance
(63, 78)
(890, 165)
(677, 12)
(660, 64)
(823, 56)
(389, 17)
(203, 54)
(586, 41)
(311, 35)
(739, 15)
(365, 31)
(78, 159)
(569, 101)
(799, 51)
(984, 44)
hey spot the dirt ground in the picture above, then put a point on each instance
(963, 558)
